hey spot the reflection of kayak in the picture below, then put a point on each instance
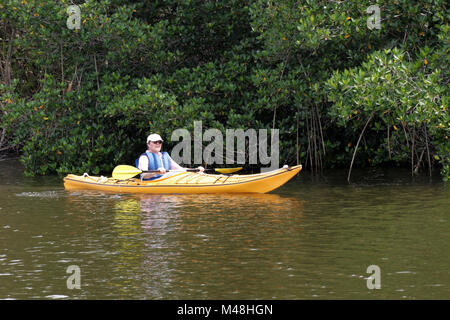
(188, 182)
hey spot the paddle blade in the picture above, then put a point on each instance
(124, 172)
(228, 170)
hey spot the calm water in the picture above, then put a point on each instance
(311, 239)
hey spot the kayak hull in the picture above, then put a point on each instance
(187, 182)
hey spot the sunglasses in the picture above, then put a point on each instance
(157, 142)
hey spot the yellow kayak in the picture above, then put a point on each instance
(188, 182)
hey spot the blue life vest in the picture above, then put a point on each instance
(154, 162)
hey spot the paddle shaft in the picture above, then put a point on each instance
(157, 171)
(195, 170)
(184, 170)
(126, 172)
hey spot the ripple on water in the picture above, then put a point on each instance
(42, 194)
(57, 296)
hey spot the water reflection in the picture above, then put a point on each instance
(158, 236)
(141, 224)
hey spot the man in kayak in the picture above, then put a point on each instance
(153, 159)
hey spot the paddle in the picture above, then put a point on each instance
(123, 172)
(226, 170)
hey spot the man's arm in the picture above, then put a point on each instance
(176, 166)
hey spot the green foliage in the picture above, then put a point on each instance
(409, 101)
(84, 100)
(343, 71)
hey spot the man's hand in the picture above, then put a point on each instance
(162, 170)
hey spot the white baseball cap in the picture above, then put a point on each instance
(154, 137)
